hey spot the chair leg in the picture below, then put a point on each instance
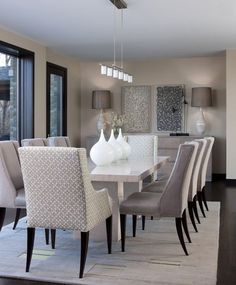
(178, 222)
(195, 210)
(151, 217)
(17, 217)
(109, 233)
(83, 252)
(53, 238)
(123, 229)
(47, 236)
(134, 225)
(204, 198)
(185, 225)
(2, 216)
(30, 246)
(190, 210)
(199, 197)
(143, 222)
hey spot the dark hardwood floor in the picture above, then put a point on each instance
(216, 191)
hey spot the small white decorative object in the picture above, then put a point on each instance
(102, 153)
(125, 146)
(117, 147)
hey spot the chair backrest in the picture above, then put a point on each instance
(143, 145)
(34, 142)
(59, 141)
(196, 170)
(58, 190)
(10, 173)
(174, 198)
(210, 142)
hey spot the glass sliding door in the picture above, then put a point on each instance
(56, 100)
(9, 103)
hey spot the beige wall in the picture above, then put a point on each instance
(205, 71)
(42, 55)
(231, 114)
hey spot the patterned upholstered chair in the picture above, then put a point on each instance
(59, 141)
(171, 203)
(201, 187)
(34, 142)
(12, 193)
(59, 195)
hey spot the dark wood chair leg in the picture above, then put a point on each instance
(17, 217)
(195, 210)
(204, 198)
(123, 230)
(30, 246)
(143, 222)
(151, 217)
(53, 238)
(199, 198)
(47, 236)
(83, 252)
(109, 233)
(178, 222)
(185, 226)
(134, 225)
(2, 216)
(190, 211)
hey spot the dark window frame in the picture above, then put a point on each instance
(60, 71)
(25, 88)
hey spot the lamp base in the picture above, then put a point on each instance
(201, 123)
(102, 124)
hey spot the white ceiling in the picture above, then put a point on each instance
(153, 28)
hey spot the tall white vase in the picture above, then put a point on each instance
(125, 146)
(102, 152)
(117, 147)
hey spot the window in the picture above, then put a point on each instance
(16, 92)
(56, 100)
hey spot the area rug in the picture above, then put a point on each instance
(153, 257)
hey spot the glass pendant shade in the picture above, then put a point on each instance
(103, 69)
(121, 75)
(130, 78)
(109, 71)
(125, 77)
(115, 73)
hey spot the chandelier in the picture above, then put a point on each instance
(115, 70)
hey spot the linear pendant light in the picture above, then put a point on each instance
(116, 71)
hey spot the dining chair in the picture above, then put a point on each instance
(201, 190)
(34, 142)
(60, 195)
(171, 203)
(12, 193)
(59, 141)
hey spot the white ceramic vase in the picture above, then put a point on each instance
(125, 146)
(102, 153)
(117, 147)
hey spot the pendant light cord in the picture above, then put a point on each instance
(114, 35)
(121, 42)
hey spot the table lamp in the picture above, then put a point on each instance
(201, 97)
(101, 99)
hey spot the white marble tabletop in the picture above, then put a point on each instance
(131, 170)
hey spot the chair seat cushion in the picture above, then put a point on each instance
(20, 199)
(141, 203)
(155, 187)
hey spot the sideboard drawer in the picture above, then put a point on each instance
(170, 142)
(172, 153)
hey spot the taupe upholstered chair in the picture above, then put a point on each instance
(12, 193)
(34, 142)
(59, 195)
(171, 203)
(201, 189)
(59, 141)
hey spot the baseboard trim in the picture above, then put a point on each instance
(218, 176)
(231, 182)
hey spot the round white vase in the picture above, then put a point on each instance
(102, 153)
(125, 146)
(117, 147)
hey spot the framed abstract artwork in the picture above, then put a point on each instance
(170, 100)
(136, 106)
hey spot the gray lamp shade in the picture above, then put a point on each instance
(201, 97)
(101, 99)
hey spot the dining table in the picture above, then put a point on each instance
(121, 178)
